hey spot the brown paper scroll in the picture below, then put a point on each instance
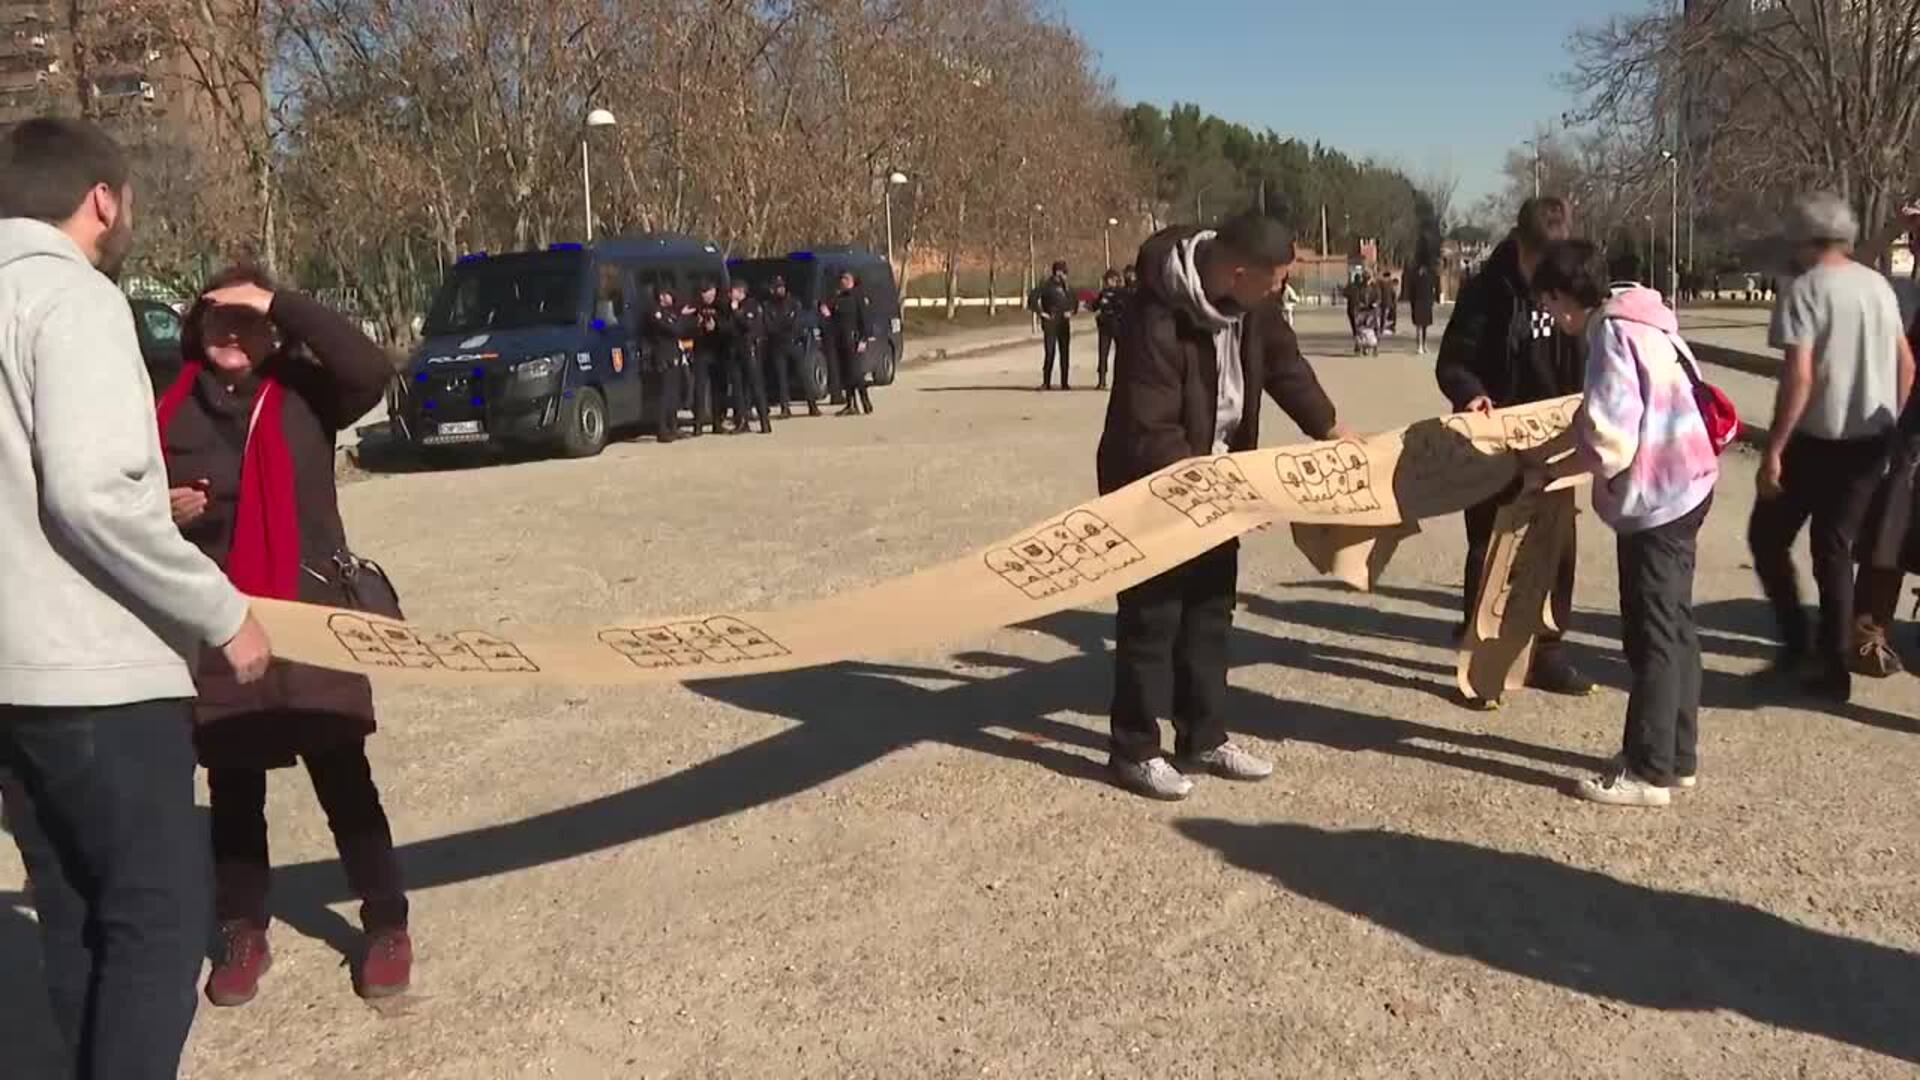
(1386, 481)
(1530, 535)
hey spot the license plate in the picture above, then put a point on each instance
(460, 427)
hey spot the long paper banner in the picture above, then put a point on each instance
(1344, 497)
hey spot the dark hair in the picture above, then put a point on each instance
(49, 164)
(1110, 274)
(1623, 260)
(1060, 266)
(1540, 218)
(1569, 267)
(1257, 238)
(191, 345)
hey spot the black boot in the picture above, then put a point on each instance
(786, 412)
(813, 408)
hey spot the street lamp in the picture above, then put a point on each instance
(894, 180)
(1033, 269)
(1673, 223)
(598, 118)
(1106, 239)
(1651, 280)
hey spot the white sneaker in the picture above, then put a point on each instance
(1688, 782)
(1621, 788)
(1156, 778)
(1229, 762)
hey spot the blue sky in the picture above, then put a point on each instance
(1420, 83)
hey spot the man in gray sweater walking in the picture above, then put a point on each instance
(104, 608)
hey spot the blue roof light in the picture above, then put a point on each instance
(598, 324)
(801, 256)
(566, 247)
(422, 377)
(472, 256)
(478, 401)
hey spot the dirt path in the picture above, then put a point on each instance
(909, 867)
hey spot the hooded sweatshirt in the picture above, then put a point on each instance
(1183, 281)
(1639, 429)
(102, 601)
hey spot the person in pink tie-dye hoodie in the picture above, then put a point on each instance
(1641, 435)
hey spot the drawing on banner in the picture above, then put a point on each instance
(1334, 479)
(720, 640)
(1078, 548)
(389, 645)
(1440, 460)
(1206, 491)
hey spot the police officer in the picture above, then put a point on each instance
(784, 350)
(667, 329)
(1054, 302)
(1106, 317)
(746, 333)
(709, 366)
(846, 332)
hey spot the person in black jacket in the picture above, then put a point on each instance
(1500, 350)
(846, 334)
(1053, 301)
(667, 331)
(709, 364)
(1422, 289)
(747, 330)
(1106, 316)
(785, 347)
(1198, 344)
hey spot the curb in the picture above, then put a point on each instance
(938, 354)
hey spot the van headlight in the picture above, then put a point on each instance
(536, 369)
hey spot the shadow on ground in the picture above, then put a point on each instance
(1591, 933)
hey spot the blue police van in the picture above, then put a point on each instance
(542, 349)
(812, 276)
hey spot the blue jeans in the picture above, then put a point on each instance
(106, 824)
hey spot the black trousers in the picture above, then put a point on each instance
(665, 386)
(847, 361)
(1057, 340)
(1479, 533)
(343, 781)
(781, 357)
(703, 403)
(1105, 334)
(102, 810)
(1663, 648)
(1170, 658)
(749, 385)
(1830, 482)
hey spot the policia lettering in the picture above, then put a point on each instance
(1363, 496)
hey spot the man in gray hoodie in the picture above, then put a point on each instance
(103, 609)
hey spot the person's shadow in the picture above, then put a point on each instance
(1591, 933)
(26, 1016)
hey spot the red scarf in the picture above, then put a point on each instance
(264, 557)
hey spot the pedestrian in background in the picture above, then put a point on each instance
(785, 346)
(1846, 373)
(708, 359)
(1640, 433)
(744, 326)
(1423, 284)
(1106, 316)
(668, 333)
(104, 609)
(1053, 301)
(270, 379)
(1501, 350)
(1198, 345)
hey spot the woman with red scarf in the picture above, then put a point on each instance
(270, 379)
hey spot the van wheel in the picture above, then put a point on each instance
(813, 373)
(884, 366)
(583, 424)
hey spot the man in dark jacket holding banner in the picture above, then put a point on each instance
(1197, 345)
(1500, 350)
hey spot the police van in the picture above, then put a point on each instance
(813, 276)
(542, 349)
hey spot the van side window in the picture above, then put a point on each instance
(609, 295)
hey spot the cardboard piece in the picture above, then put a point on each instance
(1530, 535)
(1375, 487)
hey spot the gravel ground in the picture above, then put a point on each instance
(909, 866)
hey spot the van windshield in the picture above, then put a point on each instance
(512, 292)
(758, 272)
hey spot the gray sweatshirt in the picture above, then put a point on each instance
(102, 602)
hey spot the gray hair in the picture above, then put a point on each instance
(1822, 217)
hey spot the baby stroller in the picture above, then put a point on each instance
(1366, 331)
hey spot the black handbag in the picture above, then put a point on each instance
(359, 584)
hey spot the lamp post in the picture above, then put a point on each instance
(1673, 226)
(894, 180)
(1106, 240)
(1650, 251)
(1033, 270)
(598, 118)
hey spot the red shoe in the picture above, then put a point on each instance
(244, 958)
(387, 967)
